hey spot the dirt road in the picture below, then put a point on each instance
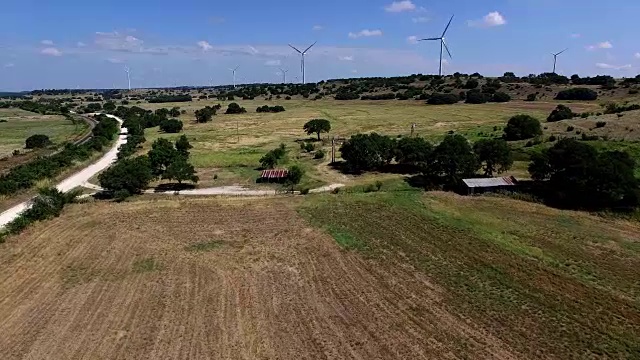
(75, 180)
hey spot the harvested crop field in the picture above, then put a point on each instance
(216, 279)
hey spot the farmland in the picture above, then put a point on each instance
(394, 274)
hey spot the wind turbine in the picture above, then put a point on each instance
(234, 75)
(302, 54)
(442, 44)
(127, 70)
(284, 75)
(555, 58)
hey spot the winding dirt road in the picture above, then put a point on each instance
(75, 180)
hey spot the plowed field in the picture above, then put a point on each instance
(216, 279)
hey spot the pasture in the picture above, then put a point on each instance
(21, 124)
(392, 274)
(231, 145)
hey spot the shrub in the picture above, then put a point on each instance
(570, 128)
(378, 185)
(476, 97)
(600, 124)
(47, 204)
(319, 154)
(205, 114)
(273, 157)
(532, 97)
(633, 91)
(304, 191)
(234, 108)
(271, 109)
(500, 97)
(442, 99)
(309, 147)
(171, 126)
(561, 112)
(522, 127)
(577, 94)
(552, 138)
(37, 141)
(471, 84)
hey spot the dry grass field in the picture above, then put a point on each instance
(231, 145)
(21, 124)
(390, 275)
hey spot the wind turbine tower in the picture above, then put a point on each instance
(555, 59)
(302, 54)
(284, 75)
(443, 44)
(234, 75)
(128, 71)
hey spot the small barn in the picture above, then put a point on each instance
(482, 185)
(274, 175)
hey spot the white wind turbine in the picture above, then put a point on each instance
(302, 54)
(128, 71)
(442, 44)
(234, 75)
(555, 58)
(284, 75)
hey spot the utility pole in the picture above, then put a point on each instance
(333, 150)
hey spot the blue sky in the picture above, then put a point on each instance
(80, 43)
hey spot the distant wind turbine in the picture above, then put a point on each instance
(555, 58)
(234, 75)
(128, 71)
(284, 75)
(442, 44)
(302, 54)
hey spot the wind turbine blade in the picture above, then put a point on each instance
(447, 28)
(562, 51)
(430, 39)
(304, 52)
(446, 48)
(294, 48)
(236, 68)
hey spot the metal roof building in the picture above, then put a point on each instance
(485, 184)
(274, 174)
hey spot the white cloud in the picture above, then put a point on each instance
(205, 46)
(602, 45)
(318, 27)
(576, 36)
(490, 20)
(346, 58)
(115, 60)
(9, 65)
(365, 33)
(354, 71)
(51, 51)
(420, 19)
(400, 6)
(412, 39)
(253, 50)
(118, 42)
(46, 42)
(80, 44)
(273, 63)
(613, 67)
(637, 55)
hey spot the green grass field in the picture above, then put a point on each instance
(231, 145)
(550, 283)
(21, 124)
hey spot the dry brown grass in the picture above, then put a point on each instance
(215, 279)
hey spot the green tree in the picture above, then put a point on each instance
(183, 146)
(561, 112)
(471, 84)
(294, 176)
(174, 112)
(453, 159)
(131, 175)
(234, 108)
(205, 114)
(317, 126)
(161, 155)
(476, 97)
(37, 141)
(180, 170)
(171, 126)
(494, 155)
(367, 151)
(414, 151)
(499, 96)
(109, 106)
(522, 127)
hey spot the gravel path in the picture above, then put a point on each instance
(75, 180)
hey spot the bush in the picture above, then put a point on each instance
(309, 147)
(442, 99)
(272, 109)
(577, 94)
(476, 97)
(561, 112)
(171, 126)
(600, 124)
(273, 157)
(522, 127)
(471, 84)
(205, 114)
(37, 141)
(319, 154)
(234, 108)
(500, 97)
(304, 191)
(532, 97)
(552, 138)
(570, 128)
